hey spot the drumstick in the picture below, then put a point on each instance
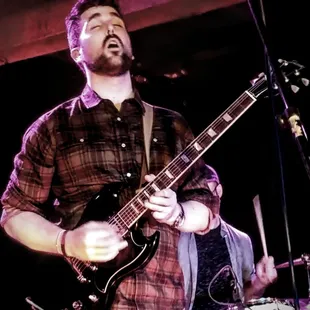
(260, 224)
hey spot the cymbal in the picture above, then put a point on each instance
(304, 303)
(296, 262)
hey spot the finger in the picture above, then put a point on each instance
(107, 247)
(155, 207)
(99, 238)
(167, 192)
(103, 257)
(105, 243)
(161, 201)
(149, 177)
(106, 251)
(122, 245)
(160, 216)
(269, 266)
(259, 270)
(271, 261)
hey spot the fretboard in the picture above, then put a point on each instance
(134, 209)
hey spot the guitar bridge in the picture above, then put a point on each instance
(91, 266)
(82, 279)
(79, 267)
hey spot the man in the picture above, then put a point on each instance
(96, 139)
(219, 267)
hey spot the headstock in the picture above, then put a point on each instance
(291, 72)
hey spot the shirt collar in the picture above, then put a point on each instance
(90, 98)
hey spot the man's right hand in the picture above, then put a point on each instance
(94, 241)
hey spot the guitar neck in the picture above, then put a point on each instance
(134, 209)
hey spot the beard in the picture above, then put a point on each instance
(114, 65)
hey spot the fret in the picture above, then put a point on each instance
(221, 126)
(162, 181)
(137, 207)
(239, 109)
(175, 169)
(116, 223)
(118, 215)
(227, 118)
(169, 174)
(134, 209)
(211, 132)
(205, 140)
(185, 159)
(140, 201)
(198, 147)
(146, 194)
(191, 153)
(180, 164)
(130, 213)
(130, 216)
(156, 188)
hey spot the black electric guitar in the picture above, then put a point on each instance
(88, 285)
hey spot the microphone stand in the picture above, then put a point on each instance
(306, 259)
(291, 118)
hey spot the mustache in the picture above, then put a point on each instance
(112, 36)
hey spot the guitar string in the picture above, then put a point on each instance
(127, 213)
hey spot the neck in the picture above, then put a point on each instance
(116, 88)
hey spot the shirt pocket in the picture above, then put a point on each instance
(83, 158)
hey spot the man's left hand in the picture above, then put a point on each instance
(163, 204)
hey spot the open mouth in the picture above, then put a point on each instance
(113, 44)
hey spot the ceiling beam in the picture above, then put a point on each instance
(40, 30)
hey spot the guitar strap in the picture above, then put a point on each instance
(147, 130)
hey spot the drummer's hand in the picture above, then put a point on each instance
(266, 272)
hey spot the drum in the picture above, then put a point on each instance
(268, 304)
(264, 304)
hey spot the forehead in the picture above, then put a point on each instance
(106, 12)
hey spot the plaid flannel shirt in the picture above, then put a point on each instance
(72, 151)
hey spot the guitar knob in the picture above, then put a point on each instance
(93, 267)
(93, 298)
(77, 305)
(82, 279)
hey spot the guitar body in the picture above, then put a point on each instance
(73, 284)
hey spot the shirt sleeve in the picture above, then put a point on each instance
(248, 268)
(33, 168)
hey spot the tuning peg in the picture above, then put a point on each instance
(282, 61)
(294, 88)
(305, 81)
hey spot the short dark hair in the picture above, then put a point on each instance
(72, 21)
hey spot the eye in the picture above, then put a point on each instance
(94, 27)
(117, 25)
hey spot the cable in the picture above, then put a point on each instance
(235, 286)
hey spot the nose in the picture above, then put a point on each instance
(110, 30)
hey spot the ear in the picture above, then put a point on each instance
(76, 54)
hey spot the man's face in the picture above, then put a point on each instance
(105, 46)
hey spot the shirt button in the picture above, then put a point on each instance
(128, 175)
(119, 119)
(123, 145)
(155, 140)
